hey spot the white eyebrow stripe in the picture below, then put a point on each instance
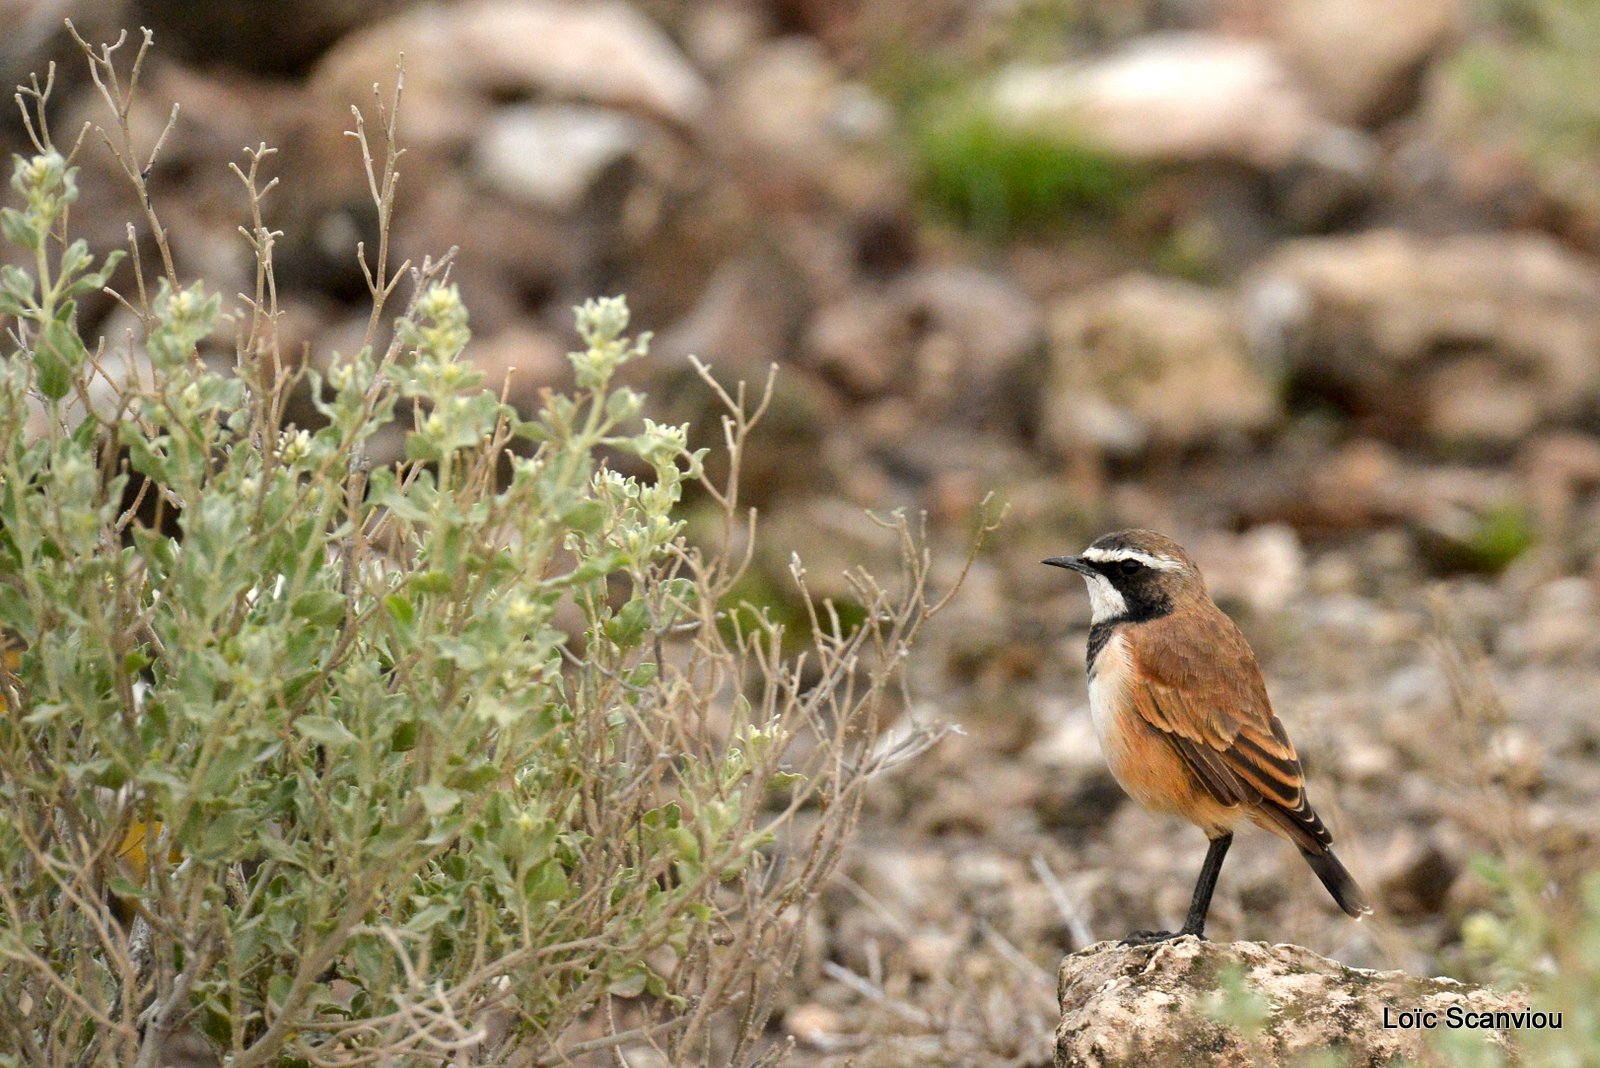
(1111, 556)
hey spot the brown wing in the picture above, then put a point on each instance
(1200, 687)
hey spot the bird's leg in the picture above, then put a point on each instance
(1199, 905)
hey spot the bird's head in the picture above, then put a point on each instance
(1134, 575)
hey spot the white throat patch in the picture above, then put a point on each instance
(1104, 600)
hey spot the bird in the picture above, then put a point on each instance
(1183, 717)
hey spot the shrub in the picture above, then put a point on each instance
(999, 178)
(1541, 930)
(321, 760)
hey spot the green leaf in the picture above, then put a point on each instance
(465, 655)
(325, 730)
(57, 357)
(628, 626)
(420, 447)
(584, 517)
(16, 614)
(223, 835)
(622, 404)
(404, 738)
(17, 229)
(428, 917)
(630, 984)
(16, 290)
(547, 882)
(432, 581)
(319, 606)
(400, 609)
(384, 490)
(438, 800)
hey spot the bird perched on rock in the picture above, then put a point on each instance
(1183, 716)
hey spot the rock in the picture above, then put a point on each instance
(1475, 338)
(1078, 792)
(791, 101)
(272, 37)
(720, 33)
(35, 35)
(813, 1025)
(741, 323)
(1560, 470)
(806, 135)
(1462, 519)
(1558, 625)
(1515, 760)
(1144, 1005)
(533, 359)
(510, 261)
(1260, 569)
(1144, 361)
(606, 53)
(552, 156)
(1172, 97)
(1362, 61)
(973, 331)
(859, 344)
(1414, 875)
(831, 538)
(463, 60)
(582, 177)
(954, 340)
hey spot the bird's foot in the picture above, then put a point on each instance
(1151, 938)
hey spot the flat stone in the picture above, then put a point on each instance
(1126, 1006)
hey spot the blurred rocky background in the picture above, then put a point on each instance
(1310, 284)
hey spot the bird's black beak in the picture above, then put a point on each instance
(1071, 563)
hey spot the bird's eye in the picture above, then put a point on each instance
(1131, 567)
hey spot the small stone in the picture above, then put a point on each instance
(1414, 875)
(861, 344)
(813, 1025)
(1516, 759)
(533, 359)
(1363, 61)
(1170, 97)
(1261, 569)
(973, 332)
(1368, 762)
(552, 156)
(1144, 361)
(1474, 338)
(1559, 622)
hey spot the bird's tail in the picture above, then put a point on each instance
(1346, 894)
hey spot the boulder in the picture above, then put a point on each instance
(600, 53)
(35, 36)
(801, 134)
(1172, 97)
(465, 61)
(1199, 1003)
(1474, 338)
(554, 156)
(1362, 61)
(955, 341)
(1259, 570)
(790, 100)
(1144, 361)
(280, 38)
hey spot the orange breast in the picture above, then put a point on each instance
(1141, 760)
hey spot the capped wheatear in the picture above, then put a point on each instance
(1183, 716)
